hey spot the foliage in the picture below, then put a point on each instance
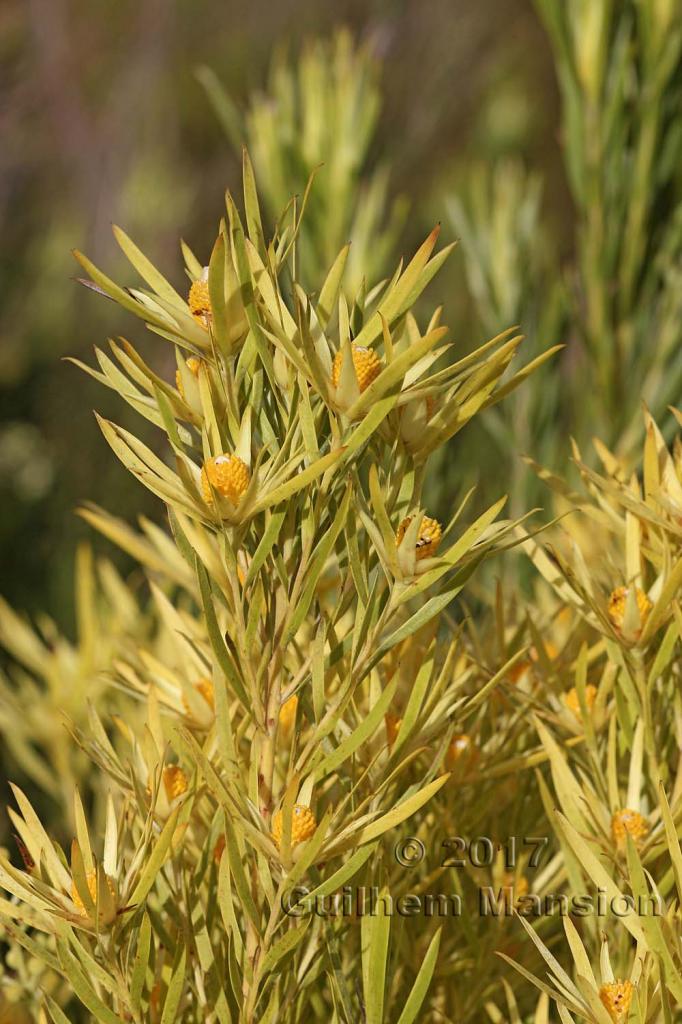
(307, 687)
(304, 576)
(318, 117)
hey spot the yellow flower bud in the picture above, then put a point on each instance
(204, 688)
(287, 713)
(618, 602)
(91, 879)
(572, 701)
(303, 825)
(174, 781)
(193, 365)
(616, 997)
(628, 822)
(199, 302)
(227, 475)
(428, 538)
(367, 365)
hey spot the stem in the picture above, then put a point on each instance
(266, 770)
(649, 738)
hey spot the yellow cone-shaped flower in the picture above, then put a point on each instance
(199, 302)
(227, 475)
(428, 538)
(91, 879)
(204, 688)
(628, 822)
(174, 781)
(618, 603)
(367, 365)
(303, 825)
(616, 997)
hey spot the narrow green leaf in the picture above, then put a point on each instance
(422, 982)
(156, 860)
(177, 982)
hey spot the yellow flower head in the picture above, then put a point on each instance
(572, 701)
(287, 713)
(193, 365)
(204, 688)
(616, 997)
(628, 822)
(303, 825)
(199, 302)
(618, 601)
(91, 879)
(227, 475)
(428, 538)
(174, 781)
(393, 724)
(367, 365)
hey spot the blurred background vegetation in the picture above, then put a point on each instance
(105, 120)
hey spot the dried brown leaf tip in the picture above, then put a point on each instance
(393, 723)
